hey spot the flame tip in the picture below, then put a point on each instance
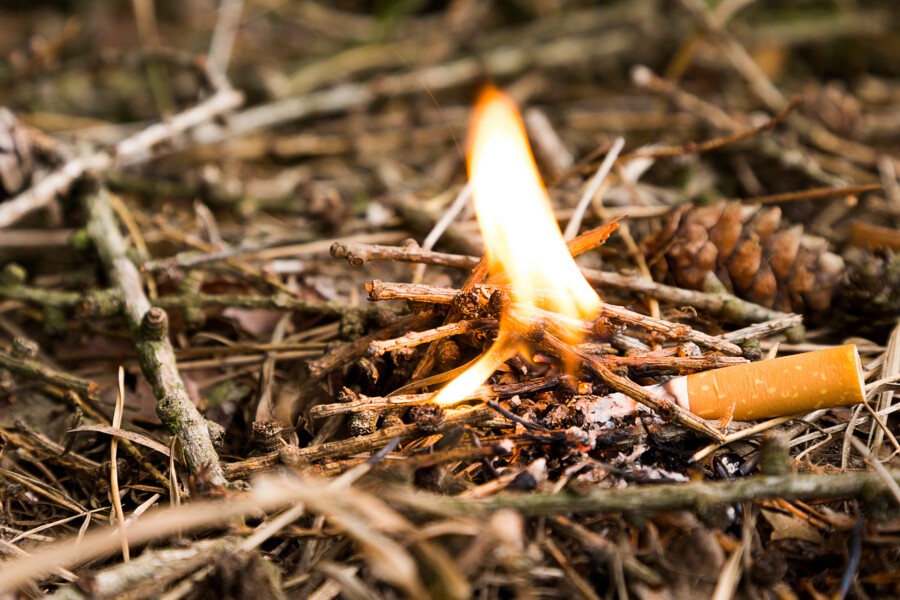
(523, 242)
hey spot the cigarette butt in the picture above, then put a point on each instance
(773, 388)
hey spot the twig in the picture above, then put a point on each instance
(34, 369)
(357, 349)
(365, 403)
(359, 254)
(222, 43)
(592, 188)
(814, 194)
(695, 495)
(149, 330)
(385, 290)
(104, 303)
(723, 304)
(137, 148)
(714, 144)
(679, 364)
(456, 207)
(670, 330)
(365, 443)
(415, 338)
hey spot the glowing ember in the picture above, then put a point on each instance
(524, 246)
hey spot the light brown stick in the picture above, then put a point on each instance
(138, 147)
(149, 330)
(385, 290)
(415, 338)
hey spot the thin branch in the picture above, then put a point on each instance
(385, 290)
(815, 194)
(592, 188)
(415, 338)
(35, 370)
(365, 443)
(807, 486)
(149, 330)
(138, 148)
(722, 304)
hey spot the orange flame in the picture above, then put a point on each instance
(523, 243)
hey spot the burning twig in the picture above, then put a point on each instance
(375, 404)
(385, 290)
(415, 338)
(722, 304)
(358, 254)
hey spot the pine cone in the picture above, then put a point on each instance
(16, 155)
(755, 256)
(869, 298)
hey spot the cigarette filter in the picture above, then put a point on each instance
(772, 388)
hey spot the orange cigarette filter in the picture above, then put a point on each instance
(772, 388)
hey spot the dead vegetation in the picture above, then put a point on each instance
(204, 195)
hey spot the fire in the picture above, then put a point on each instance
(524, 246)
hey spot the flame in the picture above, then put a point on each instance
(524, 246)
